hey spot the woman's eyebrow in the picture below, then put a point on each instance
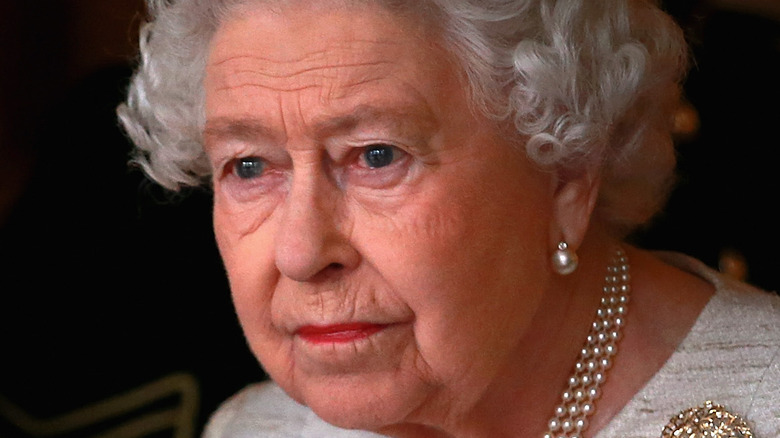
(406, 120)
(228, 128)
(399, 118)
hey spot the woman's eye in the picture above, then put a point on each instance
(249, 167)
(380, 155)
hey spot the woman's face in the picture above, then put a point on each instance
(386, 247)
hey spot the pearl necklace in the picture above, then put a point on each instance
(590, 371)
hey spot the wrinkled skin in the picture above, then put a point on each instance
(443, 248)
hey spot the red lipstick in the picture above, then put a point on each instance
(338, 333)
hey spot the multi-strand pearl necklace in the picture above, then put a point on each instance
(578, 400)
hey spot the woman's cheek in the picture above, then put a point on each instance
(241, 210)
(251, 272)
(245, 238)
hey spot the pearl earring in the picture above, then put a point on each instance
(564, 260)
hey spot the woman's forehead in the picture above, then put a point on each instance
(326, 57)
(299, 26)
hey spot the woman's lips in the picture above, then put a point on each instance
(349, 348)
(338, 333)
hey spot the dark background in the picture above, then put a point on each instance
(108, 283)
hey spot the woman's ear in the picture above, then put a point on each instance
(573, 202)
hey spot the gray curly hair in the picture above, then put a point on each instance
(589, 83)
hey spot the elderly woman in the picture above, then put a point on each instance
(422, 206)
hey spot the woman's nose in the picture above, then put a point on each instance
(313, 239)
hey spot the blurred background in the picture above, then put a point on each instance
(115, 316)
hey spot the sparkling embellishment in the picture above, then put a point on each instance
(707, 421)
(570, 418)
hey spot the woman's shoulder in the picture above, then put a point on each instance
(734, 304)
(739, 331)
(265, 410)
(731, 357)
(736, 337)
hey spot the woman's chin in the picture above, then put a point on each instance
(361, 383)
(366, 402)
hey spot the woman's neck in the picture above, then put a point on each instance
(523, 395)
(665, 303)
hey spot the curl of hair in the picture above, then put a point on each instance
(164, 111)
(587, 84)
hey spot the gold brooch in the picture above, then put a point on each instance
(708, 421)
